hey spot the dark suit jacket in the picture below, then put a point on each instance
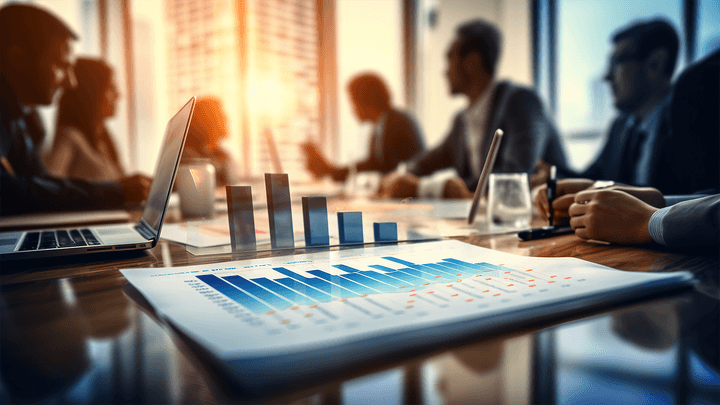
(689, 159)
(30, 188)
(400, 140)
(529, 137)
(609, 163)
(686, 156)
(694, 223)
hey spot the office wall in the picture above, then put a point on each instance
(436, 107)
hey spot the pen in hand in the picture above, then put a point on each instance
(551, 192)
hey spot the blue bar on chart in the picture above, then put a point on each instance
(315, 221)
(241, 218)
(277, 188)
(273, 292)
(385, 231)
(350, 227)
(234, 294)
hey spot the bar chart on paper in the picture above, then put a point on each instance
(373, 300)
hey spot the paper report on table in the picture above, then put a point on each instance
(384, 298)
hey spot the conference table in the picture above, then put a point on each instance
(75, 331)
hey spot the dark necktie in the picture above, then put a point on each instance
(631, 154)
(25, 155)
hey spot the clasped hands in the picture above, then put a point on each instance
(617, 214)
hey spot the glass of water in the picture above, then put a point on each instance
(509, 205)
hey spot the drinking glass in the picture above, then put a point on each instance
(509, 204)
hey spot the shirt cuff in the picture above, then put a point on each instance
(674, 199)
(655, 225)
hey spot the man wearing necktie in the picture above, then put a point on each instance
(640, 74)
(36, 61)
(452, 169)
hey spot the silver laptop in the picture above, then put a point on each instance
(109, 238)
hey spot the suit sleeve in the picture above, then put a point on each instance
(402, 139)
(440, 157)
(694, 223)
(526, 133)
(23, 194)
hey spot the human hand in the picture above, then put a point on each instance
(136, 188)
(315, 161)
(456, 188)
(398, 185)
(611, 216)
(649, 195)
(540, 173)
(565, 196)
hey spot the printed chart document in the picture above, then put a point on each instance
(283, 320)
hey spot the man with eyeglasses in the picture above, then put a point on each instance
(640, 74)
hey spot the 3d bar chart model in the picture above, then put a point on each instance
(241, 217)
(244, 233)
(277, 188)
(315, 220)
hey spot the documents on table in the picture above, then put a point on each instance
(269, 321)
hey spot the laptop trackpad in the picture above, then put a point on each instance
(117, 234)
(8, 240)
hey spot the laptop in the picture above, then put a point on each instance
(145, 234)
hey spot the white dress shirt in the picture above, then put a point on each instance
(475, 118)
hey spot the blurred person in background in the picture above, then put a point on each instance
(530, 135)
(208, 129)
(36, 61)
(83, 147)
(675, 148)
(396, 136)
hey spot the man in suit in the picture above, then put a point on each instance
(395, 137)
(640, 74)
(36, 60)
(529, 133)
(687, 155)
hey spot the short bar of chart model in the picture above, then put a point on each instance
(350, 227)
(385, 231)
(276, 318)
(315, 221)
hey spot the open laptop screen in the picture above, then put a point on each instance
(166, 168)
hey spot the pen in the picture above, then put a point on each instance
(544, 232)
(551, 191)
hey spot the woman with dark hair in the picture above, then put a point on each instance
(83, 147)
(396, 137)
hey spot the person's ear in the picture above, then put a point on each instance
(471, 63)
(17, 58)
(655, 63)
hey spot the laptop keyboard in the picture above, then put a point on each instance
(58, 239)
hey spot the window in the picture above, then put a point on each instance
(583, 102)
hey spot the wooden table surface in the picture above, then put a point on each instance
(76, 331)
